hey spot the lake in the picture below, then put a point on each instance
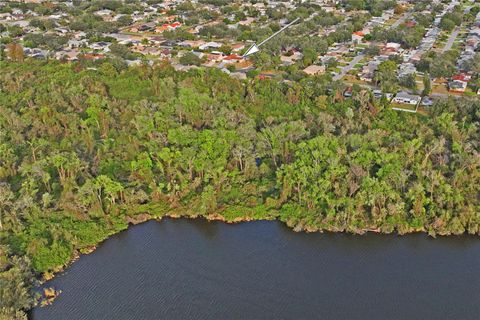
(194, 269)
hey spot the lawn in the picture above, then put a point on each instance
(440, 88)
(401, 106)
(352, 79)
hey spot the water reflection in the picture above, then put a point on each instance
(194, 269)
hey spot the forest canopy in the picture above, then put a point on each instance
(86, 151)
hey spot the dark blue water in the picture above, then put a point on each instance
(193, 269)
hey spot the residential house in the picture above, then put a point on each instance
(126, 38)
(148, 50)
(92, 56)
(69, 55)
(246, 22)
(105, 14)
(143, 27)
(191, 43)
(314, 70)
(237, 47)
(6, 16)
(238, 75)
(214, 57)
(210, 45)
(232, 58)
(406, 69)
(459, 83)
(101, 46)
(180, 67)
(357, 37)
(393, 46)
(368, 71)
(35, 53)
(168, 27)
(290, 59)
(403, 97)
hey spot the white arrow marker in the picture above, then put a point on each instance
(255, 48)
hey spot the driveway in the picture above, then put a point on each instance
(405, 16)
(348, 67)
(451, 39)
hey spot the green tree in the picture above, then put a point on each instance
(190, 59)
(386, 75)
(427, 87)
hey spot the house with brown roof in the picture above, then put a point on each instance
(314, 70)
(236, 47)
(232, 58)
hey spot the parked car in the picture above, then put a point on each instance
(426, 101)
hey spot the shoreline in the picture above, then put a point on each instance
(144, 217)
(298, 228)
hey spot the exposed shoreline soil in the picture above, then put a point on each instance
(144, 217)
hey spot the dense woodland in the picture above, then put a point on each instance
(86, 151)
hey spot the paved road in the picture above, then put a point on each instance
(405, 16)
(446, 95)
(451, 39)
(433, 95)
(348, 67)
